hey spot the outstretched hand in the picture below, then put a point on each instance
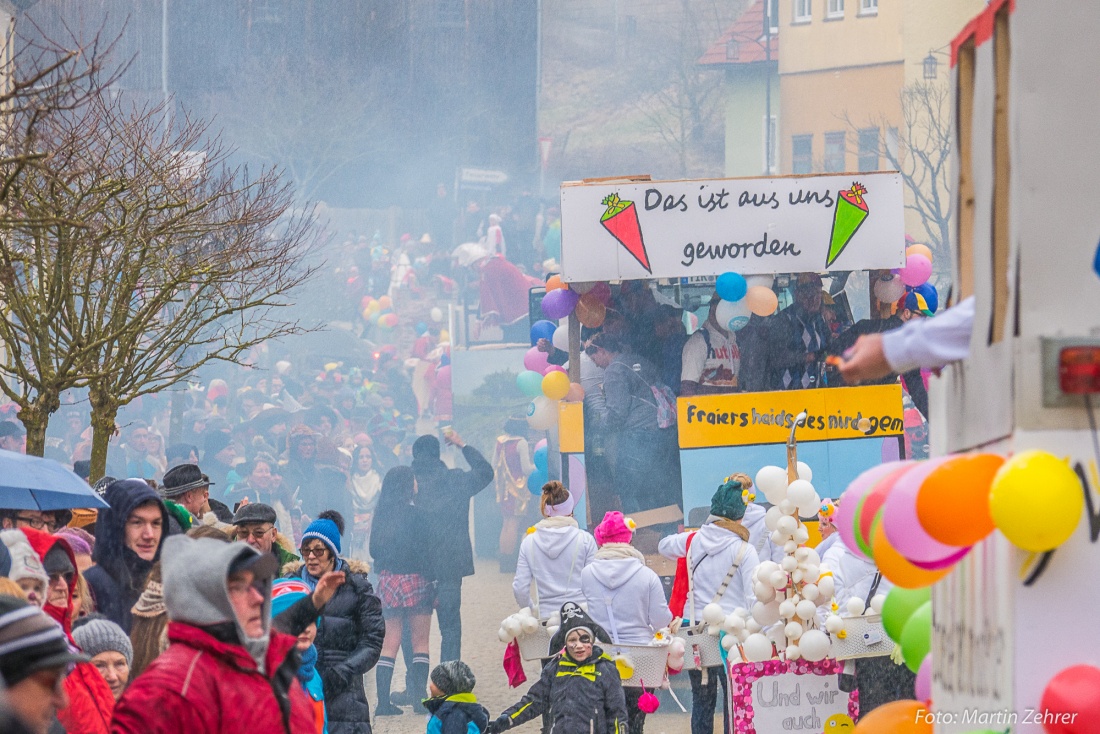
(326, 588)
(865, 361)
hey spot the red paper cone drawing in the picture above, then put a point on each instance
(851, 212)
(621, 220)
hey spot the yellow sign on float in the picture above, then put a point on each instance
(745, 419)
(571, 427)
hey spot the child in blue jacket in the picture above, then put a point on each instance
(453, 706)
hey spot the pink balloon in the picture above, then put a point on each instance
(849, 501)
(553, 368)
(899, 518)
(541, 444)
(951, 560)
(602, 292)
(917, 270)
(924, 679)
(535, 360)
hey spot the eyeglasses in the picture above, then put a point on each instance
(591, 350)
(317, 552)
(37, 523)
(66, 577)
(256, 534)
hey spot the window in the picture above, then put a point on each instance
(803, 11)
(892, 145)
(802, 153)
(771, 134)
(834, 9)
(868, 7)
(868, 149)
(834, 152)
(773, 16)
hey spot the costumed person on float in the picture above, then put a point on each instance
(580, 686)
(625, 597)
(721, 562)
(552, 556)
(512, 465)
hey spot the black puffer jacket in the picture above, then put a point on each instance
(349, 641)
(584, 697)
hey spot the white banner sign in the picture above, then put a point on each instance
(789, 702)
(675, 229)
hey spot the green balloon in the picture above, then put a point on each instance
(864, 545)
(899, 607)
(916, 638)
(530, 383)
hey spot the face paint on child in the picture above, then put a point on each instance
(578, 644)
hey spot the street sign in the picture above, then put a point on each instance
(482, 176)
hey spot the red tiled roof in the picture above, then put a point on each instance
(743, 42)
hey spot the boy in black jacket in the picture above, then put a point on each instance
(453, 707)
(580, 686)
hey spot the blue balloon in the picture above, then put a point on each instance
(529, 383)
(541, 459)
(542, 330)
(421, 328)
(1096, 260)
(535, 480)
(731, 286)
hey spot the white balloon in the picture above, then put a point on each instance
(826, 586)
(855, 606)
(728, 642)
(766, 569)
(797, 576)
(552, 629)
(765, 281)
(765, 614)
(804, 471)
(793, 630)
(778, 538)
(794, 652)
(771, 479)
(713, 614)
(512, 626)
(889, 291)
(813, 573)
(763, 592)
(503, 635)
(742, 612)
(771, 517)
(806, 609)
(789, 564)
(678, 646)
(542, 413)
(812, 558)
(790, 547)
(811, 592)
(801, 535)
(786, 609)
(732, 315)
(530, 625)
(757, 648)
(752, 626)
(713, 630)
(744, 635)
(834, 624)
(778, 580)
(735, 623)
(801, 493)
(876, 603)
(786, 525)
(436, 314)
(814, 645)
(801, 554)
(787, 507)
(561, 338)
(776, 635)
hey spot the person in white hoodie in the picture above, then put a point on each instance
(624, 596)
(552, 556)
(721, 561)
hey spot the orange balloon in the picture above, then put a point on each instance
(575, 394)
(919, 250)
(590, 311)
(385, 302)
(898, 570)
(898, 717)
(953, 501)
(553, 283)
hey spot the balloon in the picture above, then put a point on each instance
(869, 506)
(436, 313)
(1036, 500)
(535, 360)
(761, 301)
(385, 302)
(542, 330)
(924, 679)
(762, 281)
(1075, 690)
(558, 304)
(535, 480)
(899, 518)
(374, 307)
(945, 562)
(582, 286)
(732, 316)
(554, 283)
(916, 637)
(421, 328)
(757, 648)
(919, 250)
(889, 291)
(575, 394)
(591, 311)
(896, 569)
(896, 717)
(849, 502)
(731, 286)
(814, 645)
(899, 606)
(953, 502)
(555, 385)
(541, 443)
(917, 270)
(561, 338)
(601, 292)
(444, 336)
(540, 458)
(542, 413)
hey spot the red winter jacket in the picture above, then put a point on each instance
(201, 685)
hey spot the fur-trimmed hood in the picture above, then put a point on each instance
(355, 566)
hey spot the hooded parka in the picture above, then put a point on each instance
(550, 563)
(625, 596)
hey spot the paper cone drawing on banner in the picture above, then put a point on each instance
(621, 220)
(851, 212)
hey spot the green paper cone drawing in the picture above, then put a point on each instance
(850, 213)
(621, 220)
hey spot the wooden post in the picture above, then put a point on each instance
(574, 348)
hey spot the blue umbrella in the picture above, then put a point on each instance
(33, 483)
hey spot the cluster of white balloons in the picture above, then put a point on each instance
(524, 623)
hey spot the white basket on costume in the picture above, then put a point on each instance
(864, 638)
(701, 649)
(536, 645)
(650, 663)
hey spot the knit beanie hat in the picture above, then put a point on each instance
(284, 594)
(614, 529)
(81, 541)
(103, 635)
(325, 531)
(24, 561)
(732, 497)
(454, 677)
(30, 641)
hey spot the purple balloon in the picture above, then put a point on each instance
(917, 270)
(900, 523)
(924, 680)
(559, 303)
(535, 360)
(951, 560)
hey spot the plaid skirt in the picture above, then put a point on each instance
(405, 591)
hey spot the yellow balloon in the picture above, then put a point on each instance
(761, 301)
(555, 385)
(919, 250)
(374, 307)
(444, 336)
(1036, 500)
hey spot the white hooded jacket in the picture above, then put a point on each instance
(626, 598)
(759, 535)
(714, 551)
(551, 560)
(852, 576)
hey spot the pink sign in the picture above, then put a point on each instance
(789, 696)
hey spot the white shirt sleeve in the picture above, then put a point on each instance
(931, 343)
(521, 585)
(693, 358)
